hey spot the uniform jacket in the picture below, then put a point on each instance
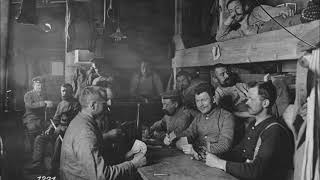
(216, 127)
(273, 158)
(176, 123)
(82, 153)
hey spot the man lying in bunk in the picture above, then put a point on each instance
(247, 20)
(266, 150)
(177, 117)
(212, 130)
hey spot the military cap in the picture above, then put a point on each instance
(37, 79)
(171, 94)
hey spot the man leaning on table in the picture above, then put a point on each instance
(176, 117)
(82, 155)
(212, 130)
(266, 150)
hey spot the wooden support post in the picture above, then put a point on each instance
(174, 77)
(4, 24)
(177, 39)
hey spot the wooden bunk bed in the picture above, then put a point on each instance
(276, 45)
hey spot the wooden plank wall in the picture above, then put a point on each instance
(269, 46)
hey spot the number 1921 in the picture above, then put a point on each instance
(46, 178)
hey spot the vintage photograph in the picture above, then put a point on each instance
(159, 90)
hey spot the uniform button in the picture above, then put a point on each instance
(252, 127)
(207, 118)
(249, 138)
(244, 150)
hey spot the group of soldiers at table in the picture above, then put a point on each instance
(233, 128)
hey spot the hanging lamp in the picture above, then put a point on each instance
(118, 35)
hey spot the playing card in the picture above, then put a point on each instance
(172, 136)
(181, 142)
(139, 146)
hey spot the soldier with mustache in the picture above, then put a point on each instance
(176, 119)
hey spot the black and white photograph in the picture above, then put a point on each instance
(160, 90)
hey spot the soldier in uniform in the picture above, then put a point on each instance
(177, 117)
(35, 104)
(67, 109)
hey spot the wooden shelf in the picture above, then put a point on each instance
(269, 46)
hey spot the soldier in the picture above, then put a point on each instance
(67, 109)
(35, 104)
(146, 83)
(177, 117)
(82, 155)
(211, 130)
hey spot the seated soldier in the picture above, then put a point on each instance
(229, 94)
(35, 103)
(212, 130)
(177, 118)
(146, 83)
(82, 155)
(266, 150)
(67, 109)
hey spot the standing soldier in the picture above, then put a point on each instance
(35, 104)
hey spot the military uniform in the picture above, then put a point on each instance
(34, 116)
(66, 110)
(176, 123)
(82, 155)
(271, 159)
(215, 128)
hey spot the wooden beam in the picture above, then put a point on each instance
(269, 46)
(4, 24)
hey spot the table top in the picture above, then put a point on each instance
(172, 164)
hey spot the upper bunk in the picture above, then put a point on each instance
(275, 45)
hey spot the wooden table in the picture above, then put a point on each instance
(178, 166)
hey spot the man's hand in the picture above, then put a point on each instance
(166, 140)
(49, 104)
(289, 115)
(169, 138)
(230, 19)
(181, 142)
(303, 111)
(286, 12)
(188, 149)
(213, 161)
(42, 103)
(49, 130)
(139, 160)
(58, 130)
